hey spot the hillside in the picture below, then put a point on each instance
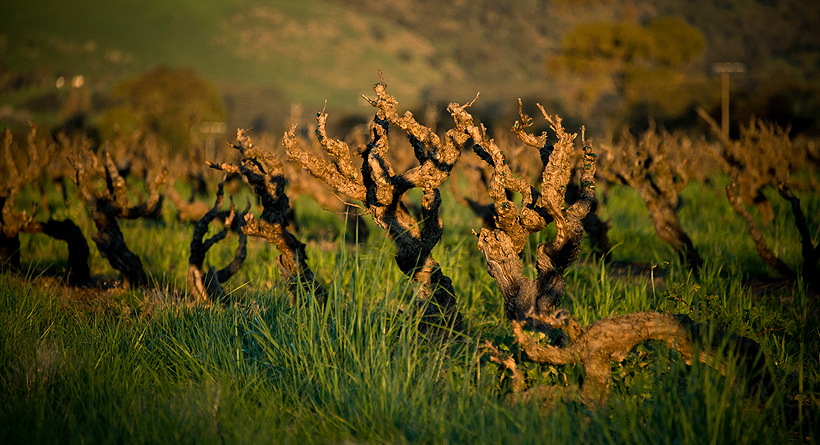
(310, 52)
(264, 56)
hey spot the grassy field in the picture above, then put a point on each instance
(86, 366)
(147, 366)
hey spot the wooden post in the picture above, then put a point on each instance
(724, 69)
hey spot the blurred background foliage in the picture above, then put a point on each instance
(167, 67)
(171, 103)
(640, 66)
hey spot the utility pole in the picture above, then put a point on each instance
(724, 69)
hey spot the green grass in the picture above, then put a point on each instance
(101, 367)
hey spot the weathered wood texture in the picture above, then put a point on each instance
(658, 165)
(262, 170)
(14, 222)
(381, 190)
(596, 346)
(206, 286)
(762, 157)
(110, 203)
(502, 245)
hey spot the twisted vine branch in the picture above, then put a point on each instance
(262, 170)
(208, 286)
(502, 245)
(381, 190)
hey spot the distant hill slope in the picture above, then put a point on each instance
(266, 54)
(311, 50)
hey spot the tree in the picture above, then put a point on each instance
(207, 286)
(168, 102)
(635, 64)
(764, 157)
(659, 165)
(263, 171)
(502, 246)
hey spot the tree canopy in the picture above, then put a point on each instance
(169, 102)
(642, 64)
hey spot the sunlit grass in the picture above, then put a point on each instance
(112, 366)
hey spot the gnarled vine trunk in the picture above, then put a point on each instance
(611, 339)
(112, 203)
(594, 347)
(13, 222)
(206, 286)
(381, 190)
(764, 157)
(658, 166)
(502, 246)
(263, 172)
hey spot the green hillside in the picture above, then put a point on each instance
(311, 49)
(264, 56)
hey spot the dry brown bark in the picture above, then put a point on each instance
(381, 190)
(502, 245)
(13, 222)
(524, 163)
(302, 183)
(609, 340)
(764, 157)
(763, 250)
(264, 173)
(594, 347)
(110, 203)
(658, 165)
(810, 251)
(206, 286)
(77, 270)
